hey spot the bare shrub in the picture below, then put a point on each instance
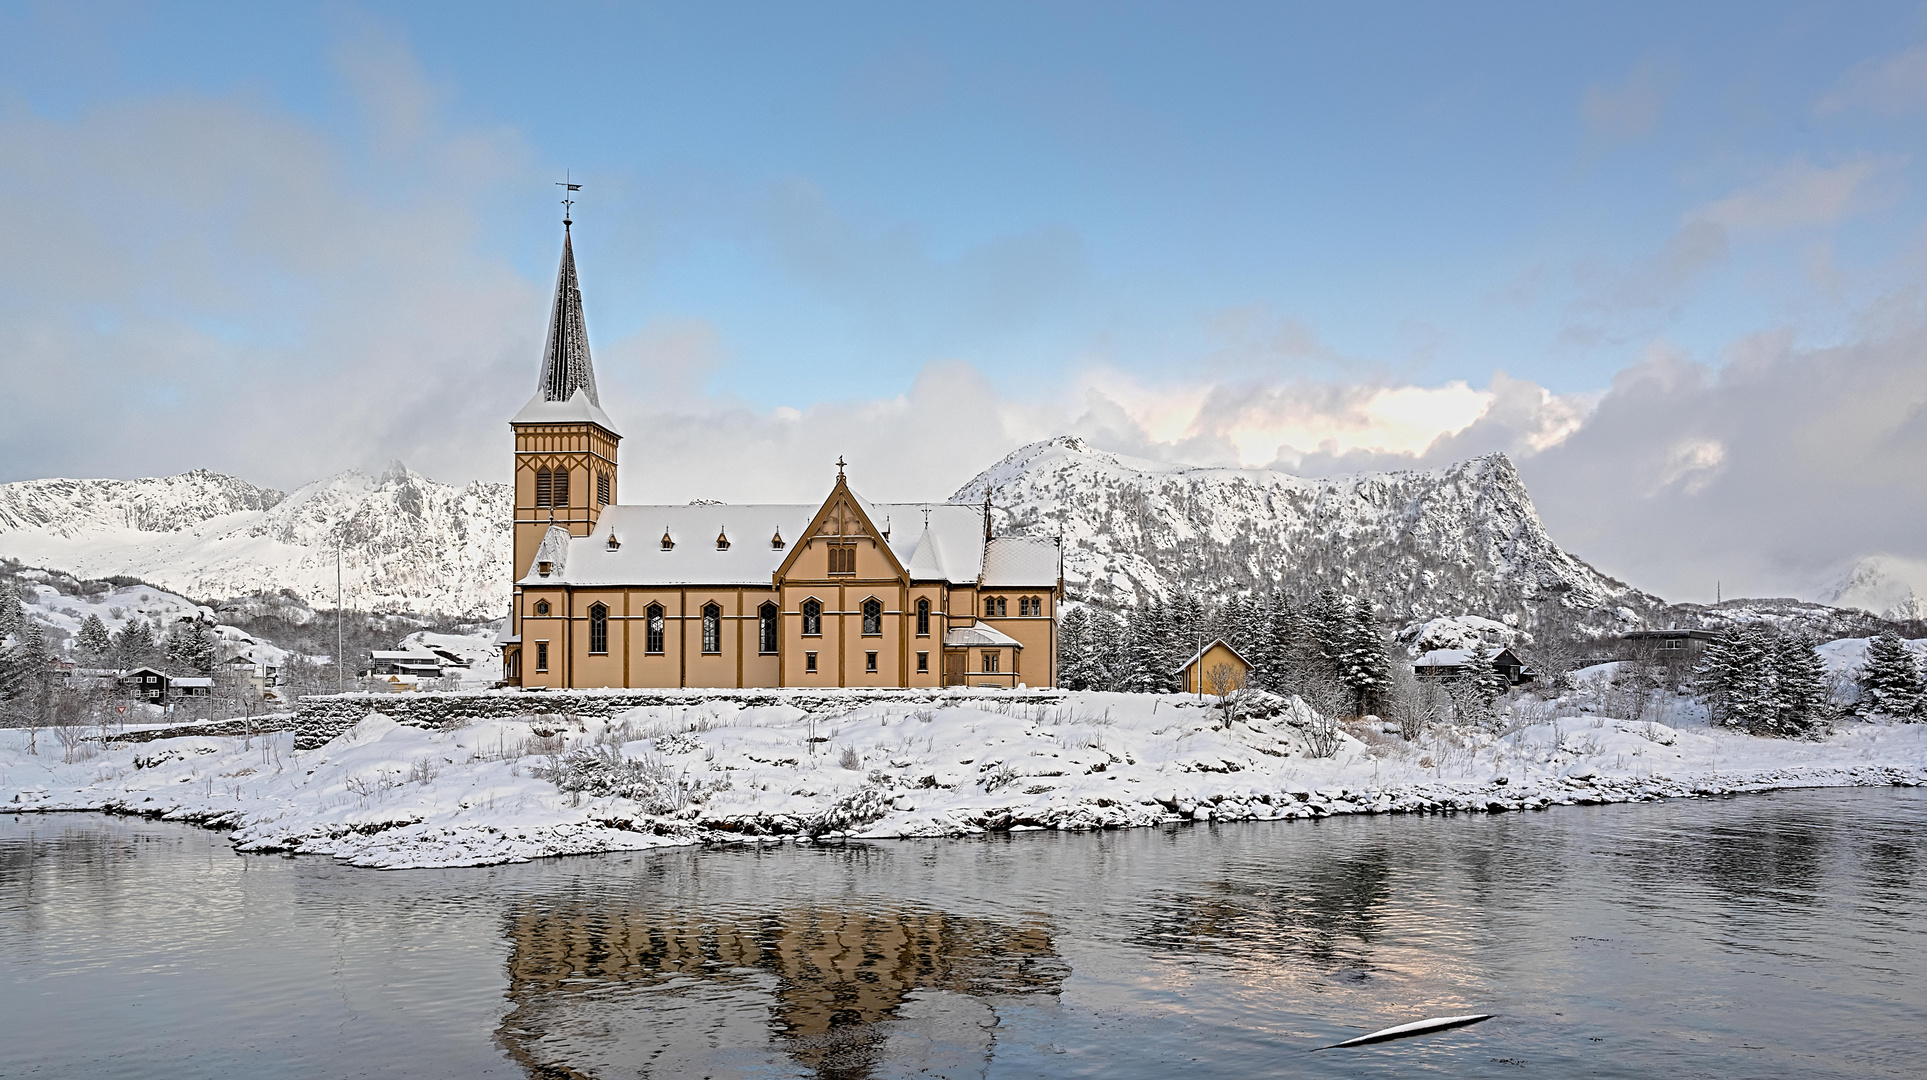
(602, 771)
(850, 759)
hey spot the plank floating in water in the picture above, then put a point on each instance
(1406, 1031)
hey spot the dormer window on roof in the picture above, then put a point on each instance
(542, 568)
(668, 544)
(614, 544)
(722, 540)
(776, 541)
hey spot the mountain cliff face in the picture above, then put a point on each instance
(1460, 539)
(408, 543)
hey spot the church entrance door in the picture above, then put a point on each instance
(953, 667)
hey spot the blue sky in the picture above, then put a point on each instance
(1214, 233)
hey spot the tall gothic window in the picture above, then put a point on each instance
(923, 618)
(766, 629)
(652, 633)
(812, 618)
(712, 628)
(598, 628)
(560, 494)
(873, 616)
(543, 495)
(602, 489)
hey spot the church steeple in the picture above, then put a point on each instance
(565, 356)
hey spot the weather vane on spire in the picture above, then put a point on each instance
(567, 203)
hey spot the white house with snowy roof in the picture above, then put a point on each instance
(841, 592)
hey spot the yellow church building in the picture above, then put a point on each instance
(844, 592)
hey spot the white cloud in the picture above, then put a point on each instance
(1801, 195)
(1893, 84)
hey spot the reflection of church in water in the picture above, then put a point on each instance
(822, 983)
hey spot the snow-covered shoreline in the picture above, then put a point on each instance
(396, 796)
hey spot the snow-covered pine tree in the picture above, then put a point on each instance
(1143, 655)
(134, 644)
(1077, 664)
(1805, 695)
(93, 641)
(1713, 674)
(190, 648)
(1752, 689)
(13, 618)
(1104, 638)
(1275, 655)
(1364, 662)
(1889, 679)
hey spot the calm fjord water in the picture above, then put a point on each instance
(1763, 936)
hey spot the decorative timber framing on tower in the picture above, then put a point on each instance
(834, 599)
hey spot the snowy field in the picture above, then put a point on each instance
(388, 795)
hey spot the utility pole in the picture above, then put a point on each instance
(340, 683)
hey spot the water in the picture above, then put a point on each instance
(1761, 936)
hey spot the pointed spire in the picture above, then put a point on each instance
(565, 356)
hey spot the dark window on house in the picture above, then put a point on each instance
(870, 662)
(873, 616)
(542, 489)
(766, 629)
(712, 628)
(923, 663)
(923, 618)
(990, 661)
(541, 607)
(812, 618)
(842, 559)
(652, 632)
(598, 628)
(994, 607)
(1030, 606)
(602, 489)
(541, 656)
(560, 495)
(809, 662)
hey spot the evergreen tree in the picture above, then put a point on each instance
(1078, 666)
(134, 644)
(1890, 682)
(1712, 675)
(1752, 690)
(1275, 654)
(1805, 696)
(1144, 653)
(1364, 664)
(94, 643)
(13, 618)
(1104, 641)
(190, 648)
(26, 674)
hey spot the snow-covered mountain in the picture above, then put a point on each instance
(1890, 587)
(408, 543)
(1458, 539)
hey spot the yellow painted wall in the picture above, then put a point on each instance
(1197, 676)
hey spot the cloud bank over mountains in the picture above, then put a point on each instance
(219, 282)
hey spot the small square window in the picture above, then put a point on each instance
(923, 663)
(870, 662)
(809, 662)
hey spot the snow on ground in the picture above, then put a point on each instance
(483, 655)
(120, 605)
(388, 795)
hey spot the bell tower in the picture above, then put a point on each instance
(565, 445)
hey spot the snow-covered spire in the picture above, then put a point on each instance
(565, 356)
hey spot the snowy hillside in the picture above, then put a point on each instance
(408, 543)
(1889, 587)
(1463, 538)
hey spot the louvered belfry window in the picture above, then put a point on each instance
(842, 559)
(542, 490)
(602, 489)
(561, 492)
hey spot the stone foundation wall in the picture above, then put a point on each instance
(238, 725)
(319, 718)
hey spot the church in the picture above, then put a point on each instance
(844, 592)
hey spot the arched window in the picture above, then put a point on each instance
(812, 618)
(766, 629)
(873, 616)
(994, 607)
(598, 628)
(923, 618)
(652, 633)
(1030, 606)
(559, 496)
(542, 489)
(712, 628)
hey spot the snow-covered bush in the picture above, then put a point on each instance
(851, 812)
(1890, 681)
(602, 771)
